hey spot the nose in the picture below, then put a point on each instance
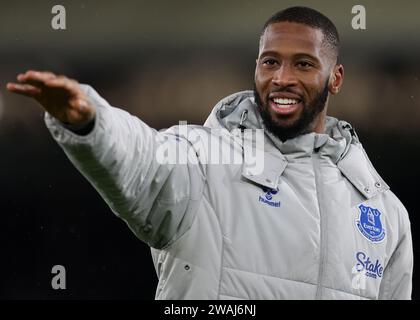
(284, 76)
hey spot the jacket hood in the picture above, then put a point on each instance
(240, 111)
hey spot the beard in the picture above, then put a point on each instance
(300, 126)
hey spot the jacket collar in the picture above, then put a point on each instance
(340, 143)
(358, 169)
(354, 165)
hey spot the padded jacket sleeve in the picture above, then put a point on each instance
(397, 281)
(133, 167)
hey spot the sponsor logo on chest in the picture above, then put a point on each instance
(368, 267)
(364, 270)
(268, 197)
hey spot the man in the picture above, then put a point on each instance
(315, 221)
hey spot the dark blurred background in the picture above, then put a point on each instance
(166, 61)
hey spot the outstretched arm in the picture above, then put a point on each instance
(118, 156)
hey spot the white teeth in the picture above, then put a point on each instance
(285, 101)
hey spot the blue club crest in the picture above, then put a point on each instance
(369, 224)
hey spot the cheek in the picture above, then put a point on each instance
(262, 80)
(313, 86)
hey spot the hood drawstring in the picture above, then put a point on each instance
(244, 116)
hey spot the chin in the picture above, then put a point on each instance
(285, 122)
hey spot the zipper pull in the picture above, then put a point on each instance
(244, 116)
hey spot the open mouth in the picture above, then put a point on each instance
(285, 106)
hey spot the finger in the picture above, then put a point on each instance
(35, 78)
(63, 82)
(23, 89)
(38, 75)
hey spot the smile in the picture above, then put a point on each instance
(284, 103)
(284, 106)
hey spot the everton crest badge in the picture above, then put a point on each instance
(369, 224)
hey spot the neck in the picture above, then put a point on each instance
(319, 123)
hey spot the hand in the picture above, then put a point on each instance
(60, 96)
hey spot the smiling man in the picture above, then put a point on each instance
(316, 221)
(296, 69)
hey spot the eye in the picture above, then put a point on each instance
(269, 62)
(304, 65)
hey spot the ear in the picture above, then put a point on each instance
(336, 79)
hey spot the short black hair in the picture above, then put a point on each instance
(311, 18)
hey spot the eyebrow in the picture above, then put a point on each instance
(296, 55)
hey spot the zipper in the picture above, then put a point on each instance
(244, 116)
(319, 195)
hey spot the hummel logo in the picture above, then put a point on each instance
(268, 196)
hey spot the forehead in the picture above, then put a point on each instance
(291, 37)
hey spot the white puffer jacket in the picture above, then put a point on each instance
(316, 221)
